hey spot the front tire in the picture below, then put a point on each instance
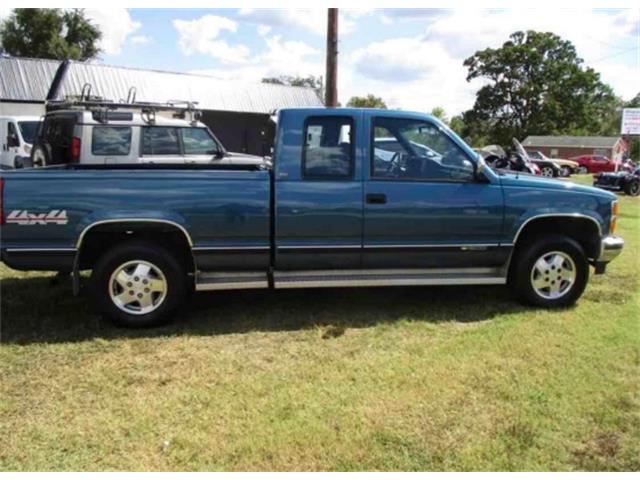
(550, 271)
(582, 170)
(632, 188)
(138, 284)
(547, 172)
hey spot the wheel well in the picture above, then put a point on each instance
(100, 238)
(582, 230)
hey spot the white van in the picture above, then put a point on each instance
(17, 134)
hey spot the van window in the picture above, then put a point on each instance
(328, 151)
(28, 129)
(111, 141)
(160, 141)
(198, 141)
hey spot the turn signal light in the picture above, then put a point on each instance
(615, 206)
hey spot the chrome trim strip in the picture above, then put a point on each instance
(390, 282)
(452, 245)
(383, 271)
(125, 220)
(547, 215)
(203, 287)
(54, 249)
(223, 248)
(371, 246)
(320, 247)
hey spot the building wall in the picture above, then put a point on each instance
(241, 132)
(17, 108)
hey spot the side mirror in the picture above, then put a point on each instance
(12, 140)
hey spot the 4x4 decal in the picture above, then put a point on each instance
(24, 217)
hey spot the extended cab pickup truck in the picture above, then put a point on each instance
(339, 208)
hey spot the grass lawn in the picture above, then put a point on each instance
(456, 378)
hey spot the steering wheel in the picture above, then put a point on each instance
(394, 162)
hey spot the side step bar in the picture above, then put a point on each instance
(378, 278)
(350, 278)
(230, 280)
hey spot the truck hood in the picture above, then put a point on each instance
(533, 182)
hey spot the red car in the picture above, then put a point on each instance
(594, 164)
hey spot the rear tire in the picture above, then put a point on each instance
(547, 172)
(549, 271)
(138, 284)
(632, 188)
(41, 155)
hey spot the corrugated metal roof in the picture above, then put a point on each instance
(26, 79)
(564, 141)
(29, 79)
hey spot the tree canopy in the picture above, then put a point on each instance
(50, 33)
(370, 101)
(535, 84)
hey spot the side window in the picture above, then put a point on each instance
(416, 150)
(111, 141)
(12, 132)
(198, 141)
(328, 148)
(160, 141)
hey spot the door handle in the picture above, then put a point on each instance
(376, 198)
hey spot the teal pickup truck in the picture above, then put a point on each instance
(352, 197)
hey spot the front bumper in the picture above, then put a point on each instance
(610, 248)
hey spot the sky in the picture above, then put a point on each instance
(412, 58)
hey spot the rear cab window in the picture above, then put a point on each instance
(328, 148)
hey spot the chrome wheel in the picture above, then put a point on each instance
(565, 171)
(547, 172)
(137, 287)
(582, 170)
(553, 275)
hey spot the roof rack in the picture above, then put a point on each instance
(100, 106)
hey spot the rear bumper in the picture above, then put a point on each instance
(610, 248)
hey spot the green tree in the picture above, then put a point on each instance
(370, 101)
(310, 81)
(535, 84)
(50, 33)
(440, 114)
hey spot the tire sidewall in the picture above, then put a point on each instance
(630, 187)
(521, 274)
(173, 271)
(41, 147)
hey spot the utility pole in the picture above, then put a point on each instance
(331, 92)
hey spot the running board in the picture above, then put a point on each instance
(230, 280)
(379, 278)
(349, 278)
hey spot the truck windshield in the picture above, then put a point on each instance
(28, 130)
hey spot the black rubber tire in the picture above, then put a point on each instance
(173, 270)
(582, 170)
(632, 188)
(529, 253)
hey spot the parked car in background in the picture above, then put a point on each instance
(17, 134)
(324, 215)
(567, 167)
(594, 164)
(126, 134)
(516, 160)
(623, 181)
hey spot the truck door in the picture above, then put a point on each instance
(318, 192)
(423, 205)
